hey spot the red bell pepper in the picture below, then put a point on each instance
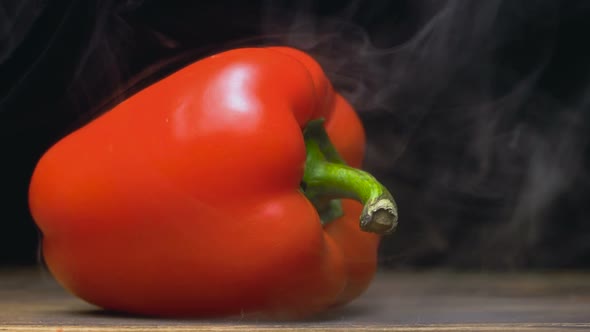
(221, 189)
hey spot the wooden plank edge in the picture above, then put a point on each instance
(230, 328)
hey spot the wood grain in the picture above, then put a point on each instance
(30, 300)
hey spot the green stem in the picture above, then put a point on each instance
(328, 178)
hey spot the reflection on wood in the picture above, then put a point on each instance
(399, 301)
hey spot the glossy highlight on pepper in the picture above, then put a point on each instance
(201, 195)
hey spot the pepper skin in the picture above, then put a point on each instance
(185, 200)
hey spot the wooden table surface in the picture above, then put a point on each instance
(30, 300)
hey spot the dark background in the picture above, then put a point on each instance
(476, 111)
